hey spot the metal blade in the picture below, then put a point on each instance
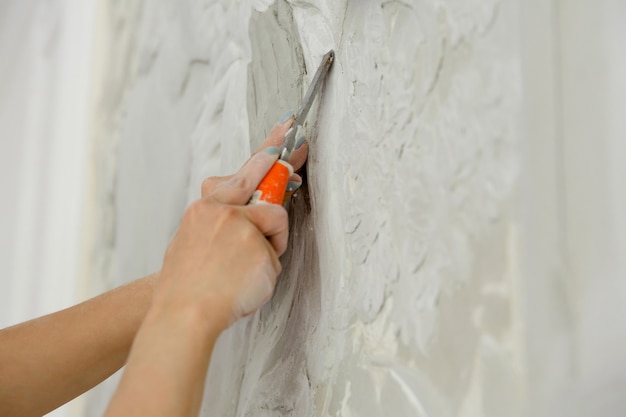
(318, 79)
(314, 88)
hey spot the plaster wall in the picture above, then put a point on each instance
(456, 249)
(400, 294)
(574, 198)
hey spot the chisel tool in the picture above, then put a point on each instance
(272, 187)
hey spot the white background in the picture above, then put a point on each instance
(45, 66)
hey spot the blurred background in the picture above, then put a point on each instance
(45, 67)
(46, 59)
(573, 184)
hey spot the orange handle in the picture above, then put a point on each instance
(272, 187)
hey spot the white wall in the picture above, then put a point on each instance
(401, 294)
(45, 62)
(457, 250)
(574, 128)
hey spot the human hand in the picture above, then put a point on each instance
(274, 138)
(223, 260)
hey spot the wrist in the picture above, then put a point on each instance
(207, 319)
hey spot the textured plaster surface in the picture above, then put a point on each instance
(400, 292)
(411, 178)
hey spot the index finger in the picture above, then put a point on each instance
(238, 188)
(276, 135)
(275, 138)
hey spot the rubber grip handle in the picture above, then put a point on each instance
(273, 186)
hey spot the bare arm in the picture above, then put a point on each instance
(221, 265)
(50, 360)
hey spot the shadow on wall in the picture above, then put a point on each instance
(276, 71)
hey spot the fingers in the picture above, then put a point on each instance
(271, 220)
(239, 187)
(295, 179)
(276, 136)
(211, 183)
(298, 156)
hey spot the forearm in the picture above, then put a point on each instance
(222, 264)
(48, 361)
(167, 366)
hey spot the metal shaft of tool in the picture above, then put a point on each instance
(289, 142)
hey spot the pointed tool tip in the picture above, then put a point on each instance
(330, 57)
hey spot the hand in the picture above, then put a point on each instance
(223, 261)
(274, 138)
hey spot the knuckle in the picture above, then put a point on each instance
(278, 217)
(240, 182)
(250, 237)
(198, 210)
(209, 184)
(227, 214)
(282, 216)
(253, 241)
(195, 209)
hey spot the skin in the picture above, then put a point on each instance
(221, 265)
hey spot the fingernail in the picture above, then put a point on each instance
(300, 142)
(293, 186)
(285, 117)
(272, 150)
